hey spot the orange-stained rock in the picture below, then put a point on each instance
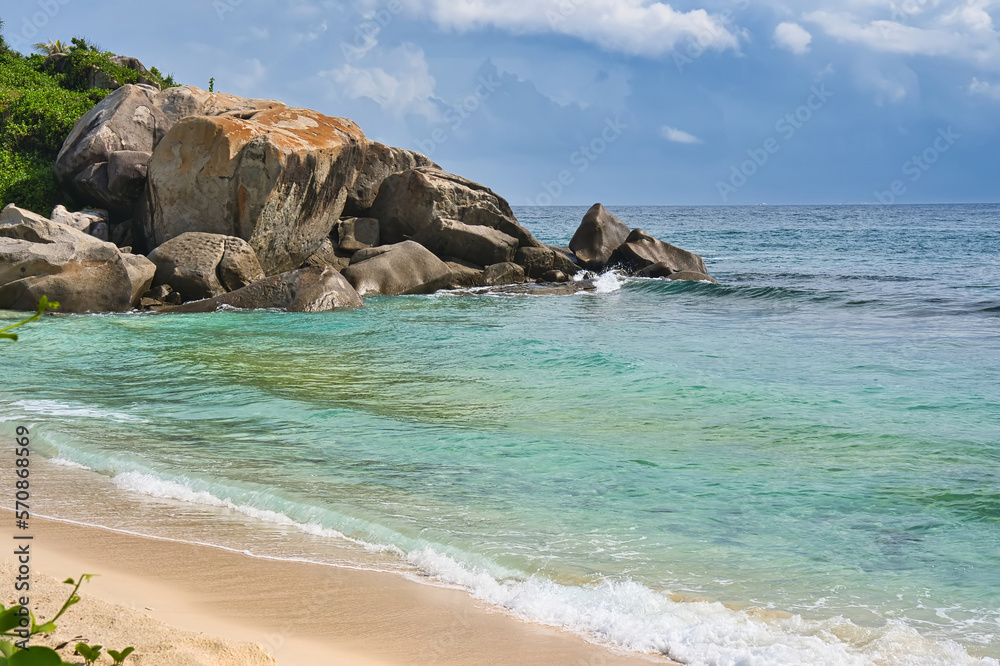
(277, 178)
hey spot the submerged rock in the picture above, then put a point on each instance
(692, 276)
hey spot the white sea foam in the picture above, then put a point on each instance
(153, 486)
(629, 615)
(626, 614)
(55, 408)
(609, 282)
(62, 462)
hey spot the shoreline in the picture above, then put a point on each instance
(298, 612)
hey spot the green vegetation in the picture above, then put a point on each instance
(43, 305)
(19, 624)
(41, 98)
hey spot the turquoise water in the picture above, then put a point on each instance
(818, 435)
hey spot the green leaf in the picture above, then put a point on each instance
(120, 657)
(6, 648)
(10, 619)
(88, 652)
(36, 655)
(46, 628)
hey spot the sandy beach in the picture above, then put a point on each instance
(186, 604)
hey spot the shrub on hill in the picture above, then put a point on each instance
(41, 98)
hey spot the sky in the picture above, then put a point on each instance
(569, 102)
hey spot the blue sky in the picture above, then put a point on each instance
(570, 102)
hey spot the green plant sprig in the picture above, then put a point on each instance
(43, 305)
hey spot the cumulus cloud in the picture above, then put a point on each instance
(965, 32)
(677, 135)
(400, 83)
(633, 27)
(792, 37)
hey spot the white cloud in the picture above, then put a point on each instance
(634, 27)
(402, 84)
(792, 37)
(985, 88)
(677, 135)
(965, 32)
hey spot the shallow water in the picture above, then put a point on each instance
(818, 435)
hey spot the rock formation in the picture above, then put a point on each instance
(84, 274)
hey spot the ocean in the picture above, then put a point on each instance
(800, 465)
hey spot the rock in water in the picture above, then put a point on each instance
(199, 265)
(409, 201)
(310, 289)
(692, 276)
(403, 268)
(40, 257)
(501, 274)
(381, 161)
(640, 250)
(537, 261)
(277, 178)
(598, 236)
(477, 244)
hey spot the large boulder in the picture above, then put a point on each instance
(477, 244)
(199, 265)
(277, 178)
(103, 160)
(84, 274)
(310, 289)
(381, 161)
(402, 268)
(640, 250)
(409, 201)
(598, 236)
(126, 120)
(537, 261)
(183, 101)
